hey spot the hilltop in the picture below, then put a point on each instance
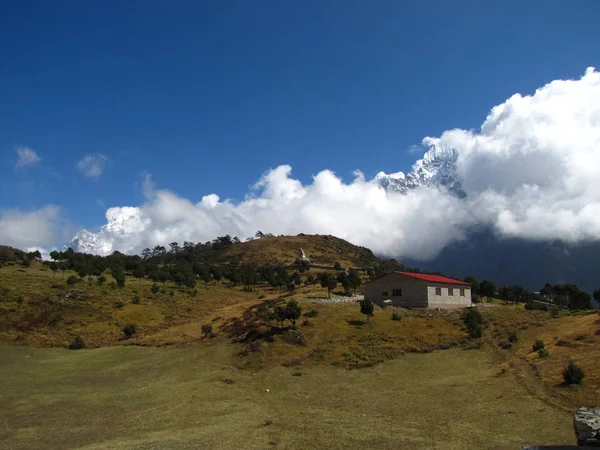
(323, 250)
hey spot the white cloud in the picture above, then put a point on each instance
(26, 157)
(40, 228)
(92, 165)
(532, 171)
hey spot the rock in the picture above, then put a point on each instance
(587, 425)
(294, 337)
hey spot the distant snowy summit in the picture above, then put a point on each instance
(437, 168)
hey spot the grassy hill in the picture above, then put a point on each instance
(321, 250)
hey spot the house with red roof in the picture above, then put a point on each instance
(418, 290)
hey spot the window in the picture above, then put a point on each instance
(438, 291)
(384, 293)
(397, 292)
(450, 291)
(462, 292)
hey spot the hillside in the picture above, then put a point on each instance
(252, 375)
(283, 250)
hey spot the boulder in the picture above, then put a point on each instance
(587, 426)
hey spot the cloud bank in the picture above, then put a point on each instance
(531, 171)
(92, 165)
(26, 157)
(33, 229)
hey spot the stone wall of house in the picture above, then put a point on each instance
(414, 292)
(450, 296)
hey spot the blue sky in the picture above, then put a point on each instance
(206, 96)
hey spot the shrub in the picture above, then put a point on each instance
(155, 288)
(135, 300)
(513, 337)
(475, 299)
(207, 329)
(77, 344)
(562, 343)
(129, 330)
(506, 345)
(101, 280)
(311, 313)
(539, 345)
(306, 323)
(543, 353)
(573, 374)
(554, 313)
(396, 316)
(72, 279)
(119, 304)
(473, 321)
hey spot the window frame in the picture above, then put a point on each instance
(462, 292)
(397, 292)
(438, 291)
(450, 292)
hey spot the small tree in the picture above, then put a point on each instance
(19, 301)
(487, 289)
(207, 329)
(293, 311)
(355, 280)
(139, 272)
(119, 277)
(473, 322)
(367, 308)
(337, 266)
(129, 330)
(573, 374)
(329, 282)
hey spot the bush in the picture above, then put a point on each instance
(554, 313)
(77, 344)
(155, 288)
(539, 345)
(513, 337)
(473, 321)
(573, 374)
(72, 279)
(396, 316)
(207, 329)
(311, 313)
(135, 300)
(475, 299)
(101, 280)
(129, 330)
(543, 353)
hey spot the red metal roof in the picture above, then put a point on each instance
(432, 278)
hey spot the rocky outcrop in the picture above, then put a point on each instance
(587, 426)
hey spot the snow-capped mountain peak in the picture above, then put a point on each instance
(436, 168)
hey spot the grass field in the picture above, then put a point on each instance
(134, 397)
(170, 387)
